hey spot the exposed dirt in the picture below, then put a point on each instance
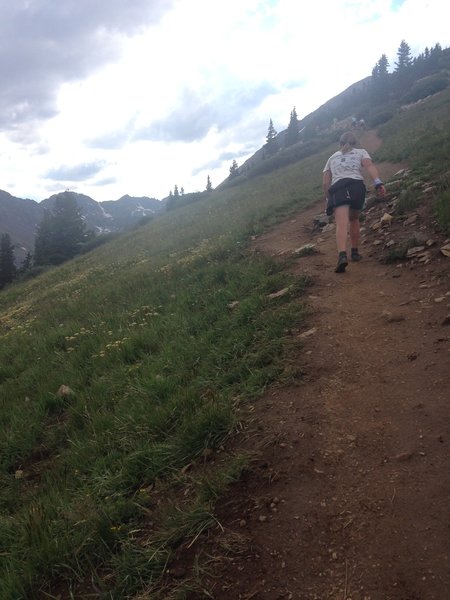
(349, 494)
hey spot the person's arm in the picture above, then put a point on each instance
(326, 182)
(373, 172)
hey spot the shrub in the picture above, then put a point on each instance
(426, 87)
(442, 211)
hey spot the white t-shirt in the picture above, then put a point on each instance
(346, 164)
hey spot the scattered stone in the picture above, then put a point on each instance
(233, 304)
(305, 250)
(262, 518)
(445, 250)
(386, 219)
(65, 392)
(392, 318)
(308, 333)
(279, 294)
(376, 226)
(446, 321)
(377, 242)
(389, 244)
(440, 299)
(404, 456)
(412, 356)
(430, 243)
(410, 220)
(329, 227)
(242, 523)
(412, 252)
(19, 474)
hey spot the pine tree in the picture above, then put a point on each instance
(292, 132)
(403, 57)
(7, 266)
(61, 232)
(208, 185)
(27, 264)
(176, 193)
(270, 146)
(234, 169)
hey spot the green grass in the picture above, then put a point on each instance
(160, 335)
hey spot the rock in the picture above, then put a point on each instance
(392, 318)
(386, 219)
(445, 250)
(404, 456)
(446, 321)
(279, 294)
(377, 242)
(412, 356)
(430, 243)
(329, 227)
(19, 474)
(65, 392)
(305, 250)
(389, 244)
(320, 221)
(233, 304)
(412, 252)
(410, 220)
(262, 518)
(440, 299)
(242, 523)
(308, 333)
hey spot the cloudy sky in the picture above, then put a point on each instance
(114, 97)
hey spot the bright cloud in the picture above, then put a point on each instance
(117, 97)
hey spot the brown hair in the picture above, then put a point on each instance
(347, 141)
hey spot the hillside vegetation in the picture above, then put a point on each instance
(159, 337)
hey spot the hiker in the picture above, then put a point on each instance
(343, 185)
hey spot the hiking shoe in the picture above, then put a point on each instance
(355, 255)
(342, 262)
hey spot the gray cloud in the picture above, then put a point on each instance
(194, 117)
(110, 141)
(75, 172)
(44, 43)
(226, 157)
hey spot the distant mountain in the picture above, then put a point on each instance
(20, 217)
(129, 210)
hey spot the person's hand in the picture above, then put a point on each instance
(328, 207)
(379, 188)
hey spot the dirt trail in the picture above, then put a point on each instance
(349, 496)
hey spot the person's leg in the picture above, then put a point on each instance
(341, 217)
(354, 228)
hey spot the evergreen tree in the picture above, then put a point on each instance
(403, 57)
(208, 185)
(380, 79)
(176, 193)
(27, 264)
(271, 143)
(234, 169)
(292, 132)
(7, 266)
(61, 232)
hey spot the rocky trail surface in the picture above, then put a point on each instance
(348, 495)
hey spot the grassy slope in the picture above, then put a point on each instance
(94, 490)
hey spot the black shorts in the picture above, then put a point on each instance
(348, 191)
